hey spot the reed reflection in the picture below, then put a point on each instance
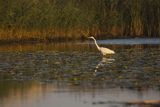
(36, 94)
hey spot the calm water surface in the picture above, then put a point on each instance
(75, 74)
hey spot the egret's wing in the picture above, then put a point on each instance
(106, 50)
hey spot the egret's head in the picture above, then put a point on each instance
(91, 37)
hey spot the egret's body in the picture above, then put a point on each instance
(103, 50)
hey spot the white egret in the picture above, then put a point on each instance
(103, 50)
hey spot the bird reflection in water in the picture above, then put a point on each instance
(103, 62)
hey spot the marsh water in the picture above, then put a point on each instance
(75, 74)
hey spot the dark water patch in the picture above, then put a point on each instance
(147, 103)
(129, 67)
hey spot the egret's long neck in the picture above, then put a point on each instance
(96, 43)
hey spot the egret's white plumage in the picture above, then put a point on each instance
(103, 50)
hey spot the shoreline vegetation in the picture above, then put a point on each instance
(63, 20)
